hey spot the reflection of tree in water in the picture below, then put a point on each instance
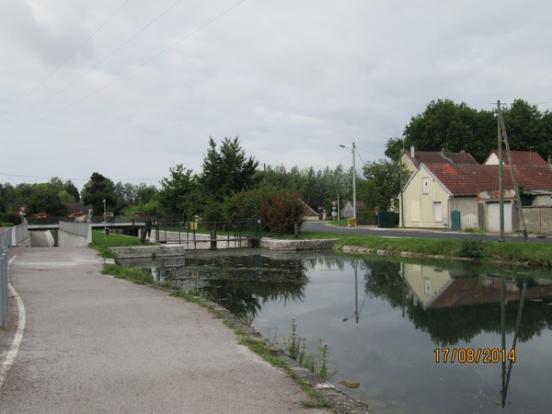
(326, 261)
(448, 326)
(243, 283)
(384, 281)
(245, 298)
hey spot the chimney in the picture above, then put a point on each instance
(412, 152)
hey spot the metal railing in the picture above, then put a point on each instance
(201, 235)
(9, 237)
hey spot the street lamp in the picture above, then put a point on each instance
(353, 149)
(105, 215)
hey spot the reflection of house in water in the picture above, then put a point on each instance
(433, 287)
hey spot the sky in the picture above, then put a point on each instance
(130, 88)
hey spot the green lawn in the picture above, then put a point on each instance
(535, 254)
(102, 243)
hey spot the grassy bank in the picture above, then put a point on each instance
(102, 242)
(533, 254)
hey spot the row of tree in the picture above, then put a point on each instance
(228, 173)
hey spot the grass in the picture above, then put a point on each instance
(101, 242)
(533, 254)
(132, 274)
(260, 347)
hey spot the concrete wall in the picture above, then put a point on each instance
(538, 219)
(295, 245)
(418, 207)
(74, 234)
(469, 211)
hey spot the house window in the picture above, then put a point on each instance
(425, 185)
(437, 211)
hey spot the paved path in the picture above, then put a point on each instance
(96, 344)
(317, 226)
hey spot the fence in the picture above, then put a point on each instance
(538, 219)
(9, 237)
(198, 235)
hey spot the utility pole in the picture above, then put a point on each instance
(521, 217)
(354, 185)
(500, 172)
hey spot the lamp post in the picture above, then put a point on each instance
(353, 149)
(105, 215)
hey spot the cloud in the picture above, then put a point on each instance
(292, 79)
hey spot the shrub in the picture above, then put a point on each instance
(279, 210)
(471, 248)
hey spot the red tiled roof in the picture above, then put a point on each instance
(439, 157)
(470, 180)
(524, 158)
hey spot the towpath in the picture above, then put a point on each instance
(96, 344)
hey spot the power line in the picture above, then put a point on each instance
(79, 47)
(164, 50)
(124, 43)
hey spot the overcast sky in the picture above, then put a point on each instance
(130, 88)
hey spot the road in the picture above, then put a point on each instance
(96, 344)
(317, 226)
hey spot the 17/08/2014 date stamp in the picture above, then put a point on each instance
(474, 355)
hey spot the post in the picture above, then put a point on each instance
(401, 207)
(500, 173)
(356, 292)
(354, 185)
(105, 216)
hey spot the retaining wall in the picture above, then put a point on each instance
(296, 245)
(74, 234)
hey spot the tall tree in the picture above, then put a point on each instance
(179, 194)
(384, 180)
(227, 169)
(97, 189)
(45, 199)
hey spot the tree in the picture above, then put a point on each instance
(45, 199)
(384, 182)
(97, 189)
(227, 169)
(456, 126)
(179, 194)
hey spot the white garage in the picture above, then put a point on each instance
(493, 217)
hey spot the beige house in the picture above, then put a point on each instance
(465, 196)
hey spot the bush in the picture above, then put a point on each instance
(472, 248)
(279, 210)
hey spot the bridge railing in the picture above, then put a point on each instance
(9, 237)
(201, 234)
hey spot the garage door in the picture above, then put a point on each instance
(494, 217)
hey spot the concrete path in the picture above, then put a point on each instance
(96, 344)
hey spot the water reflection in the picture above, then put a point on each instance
(383, 319)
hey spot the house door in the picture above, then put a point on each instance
(493, 211)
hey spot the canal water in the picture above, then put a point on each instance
(383, 321)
